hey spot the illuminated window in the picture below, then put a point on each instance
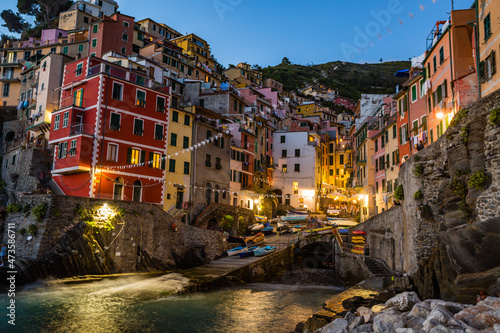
(78, 98)
(134, 156)
(156, 158)
(284, 168)
(295, 186)
(140, 98)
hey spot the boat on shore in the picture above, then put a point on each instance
(236, 250)
(235, 239)
(318, 231)
(294, 218)
(268, 230)
(296, 228)
(248, 252)
(264, 251)
(340, 222)
(297, 212)
(256, 239)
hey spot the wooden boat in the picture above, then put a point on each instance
(257, 239)
(296, 228)
(282, 224)
(342, 223)
(268, 230)
(248, 252)
(294, 218)
(264, 251)
(358, 232)
(317, 231)
(257, 227)
(236, 250)
(261, 218)
(235, 239)
(297, 212)
(343, 231)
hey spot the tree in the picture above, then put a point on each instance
(43, 10)
(13, 21)
(286, 61)
(231, 66)
(256, 67)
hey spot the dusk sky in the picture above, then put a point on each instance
(263, 31)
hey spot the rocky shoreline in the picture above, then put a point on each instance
(405, 313)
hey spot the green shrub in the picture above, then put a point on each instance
(495, 116)
(418, 170)
(399, 193)
(417, 158)
(459, 187)
(418, 195)
(462, 172)
(464, 133)
(40, 211)
(56, 212)
(462, 114)
(462, 206)
(26, 208)
(78, 210)
(478, 180)
(14, 208)
(23, 231)
(32, 229)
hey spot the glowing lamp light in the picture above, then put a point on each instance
(104, 214)
(354, 201)
(440, 115)
(256, 201)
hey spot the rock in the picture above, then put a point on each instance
(453, 307)
(420, 310)
(366, 313)
(358, 321)
(444, 329)
(351, 304)
(497, 328)
(391, 311)
(339, 325)
(313, 323)
(408, 330)
(366, 328)
(440, 316)
(404, 301)
(349, 317)
(485, 314)
(415, 322)
(385, 295)
(385, 322)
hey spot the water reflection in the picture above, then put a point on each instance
(147, 305)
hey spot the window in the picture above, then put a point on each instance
(65, 119)
(124, 50)
(432, 135)
(6, 90)
(79, 69)
(415, 127)
(156, 160)
(186, 168)
(85, 19)
(331, 172)
(394, 132)
(209, 135)
(341, 157)
(125, 24)
(140, 98)
(173, 139)
(187, 120)
(125, 37)
(114, 122)
(376, 145)
(43, 87)
(94, 42)
(297, 167)
(284, 168)
(283, 153)
(185, 142)
(112, 152)
(218, 164)
(72, 149)
(441, 55)
(117, 91)
(138, 126)
(424, 123)
(208, 161)
(63, 147)
(487, 27)
(95, 28)
(56, 122)
(282, 139)
(135, 156)
(376, 165)
(171, 165)
(175, 116)
(414, 93)
(158, 132)
(78, 98)
(175, 101)
(160, 104)
(487, 68)
(297, 152)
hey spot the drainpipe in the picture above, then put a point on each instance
(193, 161)
(451, 64)
(476, 38)
(104, 134)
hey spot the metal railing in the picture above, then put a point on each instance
(80, 128)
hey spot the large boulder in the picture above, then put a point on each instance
(339, 325)
(486, 314)
(404, 301)
(440, 316)
(313, 323)
(387, 322)
(366, 328)
(366, 313)
(421, 310)
(358, 321)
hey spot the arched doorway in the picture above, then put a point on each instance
(217, 188)
(137, 195)
(208, 193)
(118, 189)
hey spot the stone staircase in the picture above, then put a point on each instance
(374, 267)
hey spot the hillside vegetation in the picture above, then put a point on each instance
(350, 79)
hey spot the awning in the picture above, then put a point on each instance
(402, 73)
(337, 195)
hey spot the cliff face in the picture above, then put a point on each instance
(448, 239)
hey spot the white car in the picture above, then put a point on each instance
(332, 212)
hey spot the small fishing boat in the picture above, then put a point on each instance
(296, 228)
(261, 218)
(236, 250)
(268, 230)
(294, 218)
(297, 212)
(282, 224)
(235, 239)
(342, 223)
(317, 231)
(358, 232)
(257, 239)
(283, 229)
(257, 227)
(343, 231)
(248, 252)
(264, 251)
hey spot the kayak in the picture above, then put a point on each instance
(248, 252)
(317, 231)
(358, 232)
(236, 250)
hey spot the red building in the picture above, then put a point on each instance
(113, 33)
(109, 133)
(345, 102)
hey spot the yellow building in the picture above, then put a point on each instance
(197, 49)
(244, 76)
(392, 170)
(488, 13)
(178, 166)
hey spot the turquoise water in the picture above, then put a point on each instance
(147, 305)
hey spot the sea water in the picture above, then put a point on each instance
(152, 305)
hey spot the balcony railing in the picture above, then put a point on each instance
(72, 101)
(120, 73)
(5, 61)
(80, 128)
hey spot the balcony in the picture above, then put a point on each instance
(120, 73)
(360, 160)
(4, 61)
(348, 167)
(79, 129)
(9, 77)
(72, 102)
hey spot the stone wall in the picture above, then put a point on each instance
(449, 239)
(145, 238)
(214, 214)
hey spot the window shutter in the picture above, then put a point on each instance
(163, 159)
(481, 70)
(400, 136)
(129, 155)
(445, 88)
(493, 63)
(151, 159)
(143, 156)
